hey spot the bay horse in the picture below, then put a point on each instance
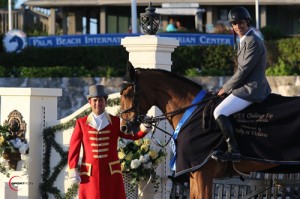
(144, 88)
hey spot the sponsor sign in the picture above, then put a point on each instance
(115, 40)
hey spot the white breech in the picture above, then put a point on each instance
(230, 105)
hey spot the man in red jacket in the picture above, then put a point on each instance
(97, 134)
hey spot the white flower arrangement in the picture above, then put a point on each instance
(12, 150)
(139, 160)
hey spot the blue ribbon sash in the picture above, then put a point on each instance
(184, 118)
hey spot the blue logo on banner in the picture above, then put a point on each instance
(115, 40)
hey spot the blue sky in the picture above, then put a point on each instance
(19, 2)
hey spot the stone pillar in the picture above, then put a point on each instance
(38, 108)
(150, 51)
(102, 21)
(71, 23)
(51, 25)
(263, 16)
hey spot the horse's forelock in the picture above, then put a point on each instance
(125, 84)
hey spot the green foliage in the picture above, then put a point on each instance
(218, 60)
(193, 72)
(61, 71)
(90, 57)
(279, 69)
(290, 52)
(271, 33)
(64, 62)
(272, 52)
(204, 59)
(288, 58)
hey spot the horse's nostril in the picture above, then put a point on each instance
(123, 129)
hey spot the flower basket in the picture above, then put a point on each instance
(130, 190)
(139, 160)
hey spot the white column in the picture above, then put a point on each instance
(38, 107)
(150, 51)
(51, 22)
(263, 16)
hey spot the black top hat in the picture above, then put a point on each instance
(97, 91)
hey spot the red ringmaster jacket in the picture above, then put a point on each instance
(100, 168)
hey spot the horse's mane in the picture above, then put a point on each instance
(169, 74)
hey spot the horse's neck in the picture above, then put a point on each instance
(176, 101)
(170, 93)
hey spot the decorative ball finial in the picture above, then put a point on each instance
(150, 20)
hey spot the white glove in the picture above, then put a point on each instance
(75, 180)
(74, 176)
(145, 127)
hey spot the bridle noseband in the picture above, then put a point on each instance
(134, 121)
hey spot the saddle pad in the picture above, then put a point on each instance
(270, 131)
(266, 132)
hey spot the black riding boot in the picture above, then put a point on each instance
(233, 152)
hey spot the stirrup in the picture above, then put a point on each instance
(215, 155)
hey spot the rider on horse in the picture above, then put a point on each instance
(248, 85)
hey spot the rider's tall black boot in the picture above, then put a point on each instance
(233, 152)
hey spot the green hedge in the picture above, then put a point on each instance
(283, 59)
(71, 62)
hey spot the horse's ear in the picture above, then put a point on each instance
(130, 73)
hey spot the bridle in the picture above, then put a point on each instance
(143, 118)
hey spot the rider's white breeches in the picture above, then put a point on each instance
(230, 105)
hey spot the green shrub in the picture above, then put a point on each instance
(271, 33)
(204, 59)
(288, 57)
(280, 69)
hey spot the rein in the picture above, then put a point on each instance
(159, 118)
(154, 121)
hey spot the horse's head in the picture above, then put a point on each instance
(131, 112)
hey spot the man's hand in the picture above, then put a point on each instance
(74, 177)
(146, 127)
(76, 180)
(221, 92)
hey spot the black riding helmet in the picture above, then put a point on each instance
(238, 13)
